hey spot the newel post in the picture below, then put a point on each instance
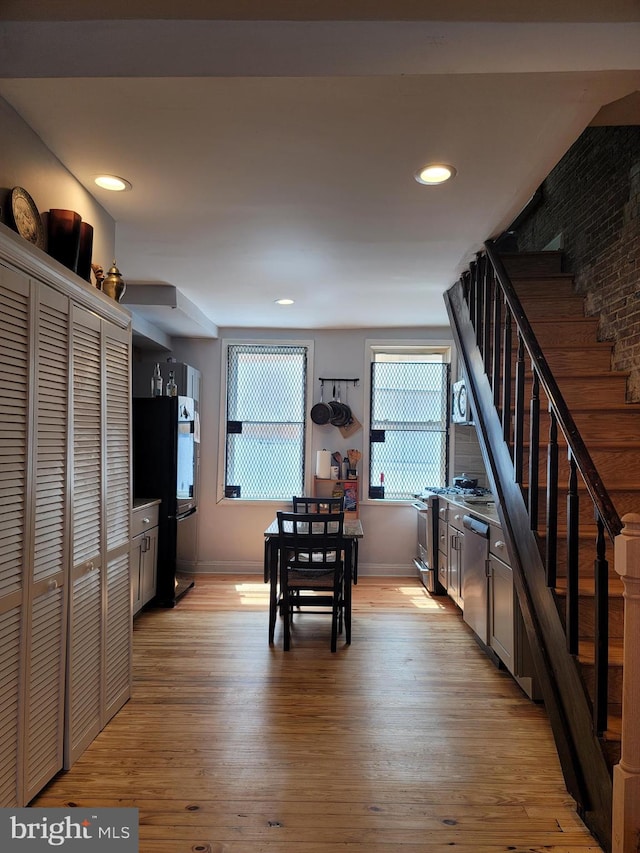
(626, 774)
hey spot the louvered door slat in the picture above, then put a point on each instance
(14, 406)
(87, 418)
(10, 656)
(118, 629)
(15, 355)
(118, 437)
(51, 432)
(46, 691)
(85, 645)
(44, 718)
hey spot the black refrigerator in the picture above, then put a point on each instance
(165, 465)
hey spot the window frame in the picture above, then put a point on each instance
(397, 346)
(222, 428)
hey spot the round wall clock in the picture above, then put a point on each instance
(26, 218)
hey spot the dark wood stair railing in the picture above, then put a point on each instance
(493, 334)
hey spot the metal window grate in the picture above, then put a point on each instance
(409, 426)
(266, 405)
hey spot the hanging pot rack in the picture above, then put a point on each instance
(337, 379)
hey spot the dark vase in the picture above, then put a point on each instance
(85, 250)
(64, 237)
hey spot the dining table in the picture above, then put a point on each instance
(352, 531)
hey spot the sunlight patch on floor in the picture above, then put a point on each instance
(420, 598)
(251, 594)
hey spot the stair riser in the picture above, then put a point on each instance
(525, 264)
(606, 390)
(586, 557)
(599, 426)
(614, 687)
(624, 502)
(580, 358)
(613, 466)
(580, 332)
(546, 288)
(609, 390)
(557, 306)
(586, 615)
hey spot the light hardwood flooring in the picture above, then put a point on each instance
(407, 741)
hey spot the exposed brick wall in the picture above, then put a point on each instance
(592, 197)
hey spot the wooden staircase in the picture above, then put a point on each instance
(610, 428)
(508, 345)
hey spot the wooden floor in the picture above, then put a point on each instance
(408, 741)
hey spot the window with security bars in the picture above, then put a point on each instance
(266, 405)
(408, 436)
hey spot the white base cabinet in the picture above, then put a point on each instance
(65, 492)
(144, 554)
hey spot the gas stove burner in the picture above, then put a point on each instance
(476, 492)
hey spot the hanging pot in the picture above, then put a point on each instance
(322, 412)
(342, 414)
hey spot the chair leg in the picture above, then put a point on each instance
(286, 618)
(334, 623)
(347, 614)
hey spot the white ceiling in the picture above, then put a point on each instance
(275, 158)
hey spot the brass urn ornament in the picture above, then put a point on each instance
(113, 284)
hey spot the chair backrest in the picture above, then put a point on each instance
(317, 505)
(311, 539)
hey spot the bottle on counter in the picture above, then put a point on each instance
(156, 382)
(172, 388)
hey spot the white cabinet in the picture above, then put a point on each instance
(33, 532)
(507, 635)
(65, 613)
(99, 665)
(144, 554)
(501, 608)
(455, 551)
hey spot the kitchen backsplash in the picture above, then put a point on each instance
(467, 456)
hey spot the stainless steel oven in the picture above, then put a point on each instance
(426, 559)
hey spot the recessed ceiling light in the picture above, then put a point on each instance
(284, 301)
(435, 173)
(112, 182)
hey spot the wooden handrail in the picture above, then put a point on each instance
(579, 452)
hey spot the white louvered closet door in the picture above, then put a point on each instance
(117, 361)
(14, 428)
(48, 559)
(85, 647)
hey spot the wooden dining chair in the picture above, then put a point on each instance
(312, 549)
(305, 504)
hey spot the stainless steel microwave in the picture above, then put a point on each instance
(461, 408)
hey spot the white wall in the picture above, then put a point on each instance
(230, 534)
(26, 162)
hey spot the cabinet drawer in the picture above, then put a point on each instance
(443, 536)
(497, 545)
(144, 518)
(456, 514)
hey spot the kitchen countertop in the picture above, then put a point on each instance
(138, 503)
(485, 512)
